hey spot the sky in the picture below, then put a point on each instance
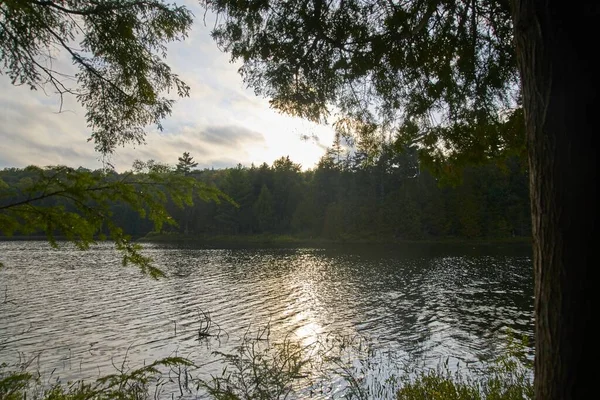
(221, 124)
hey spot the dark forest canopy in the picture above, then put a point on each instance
(442, 74)
(342, 199)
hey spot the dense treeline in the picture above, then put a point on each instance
(342, 198)
(347, 197)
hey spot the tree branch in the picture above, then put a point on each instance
(46, 195)
(99, 8)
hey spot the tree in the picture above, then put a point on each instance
(76, 204)
(286, 191)
(263, 210)
(118, 48)
(333, 221)
(184, 166)
(185, 163)
(237, 216)
(451, 76)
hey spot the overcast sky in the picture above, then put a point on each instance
(221, 124)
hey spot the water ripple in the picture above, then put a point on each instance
(81, 312)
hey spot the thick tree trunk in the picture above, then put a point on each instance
(557, 49)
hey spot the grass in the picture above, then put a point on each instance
(335, 367)
(259, 369)
(507, 378)
(139, 384)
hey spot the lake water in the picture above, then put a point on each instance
(79, 313)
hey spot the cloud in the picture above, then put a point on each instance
(30, 134)
(226, 136)
(33, 132)
(222, 123)
(211, 146)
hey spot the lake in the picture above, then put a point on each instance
(77, 314)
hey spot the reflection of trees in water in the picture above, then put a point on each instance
(468, 303)
(426, 305)
(438, 306)
(403, 300)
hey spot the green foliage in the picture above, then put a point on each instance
(507, 378)
(440, 74)
(13, 383)
(77, 204)
(507, 384)
(259, 369)
(118, 48)
(135, 384)
(263, 209)
(333, 223)
(438, 387)
(345, 366)
(390, 199)
(123, 385)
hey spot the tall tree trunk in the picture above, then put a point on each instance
(557, 49)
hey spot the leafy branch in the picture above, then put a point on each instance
(118, 48)
(77, 204)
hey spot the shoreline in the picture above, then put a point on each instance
(270, 241)
(295, 241)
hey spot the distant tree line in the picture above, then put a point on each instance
(345, 196)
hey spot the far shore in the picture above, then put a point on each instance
(299, 241)
(272, 240)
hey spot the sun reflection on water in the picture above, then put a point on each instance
(309, 333)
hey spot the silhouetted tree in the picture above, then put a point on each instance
(185, 164)
(462, 79)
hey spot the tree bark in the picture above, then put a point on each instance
(556, 44)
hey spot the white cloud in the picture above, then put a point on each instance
(221, 124)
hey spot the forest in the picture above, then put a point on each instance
(345, 197)
(465, 80)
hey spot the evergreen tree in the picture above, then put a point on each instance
(264, 210)
(185, 164)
